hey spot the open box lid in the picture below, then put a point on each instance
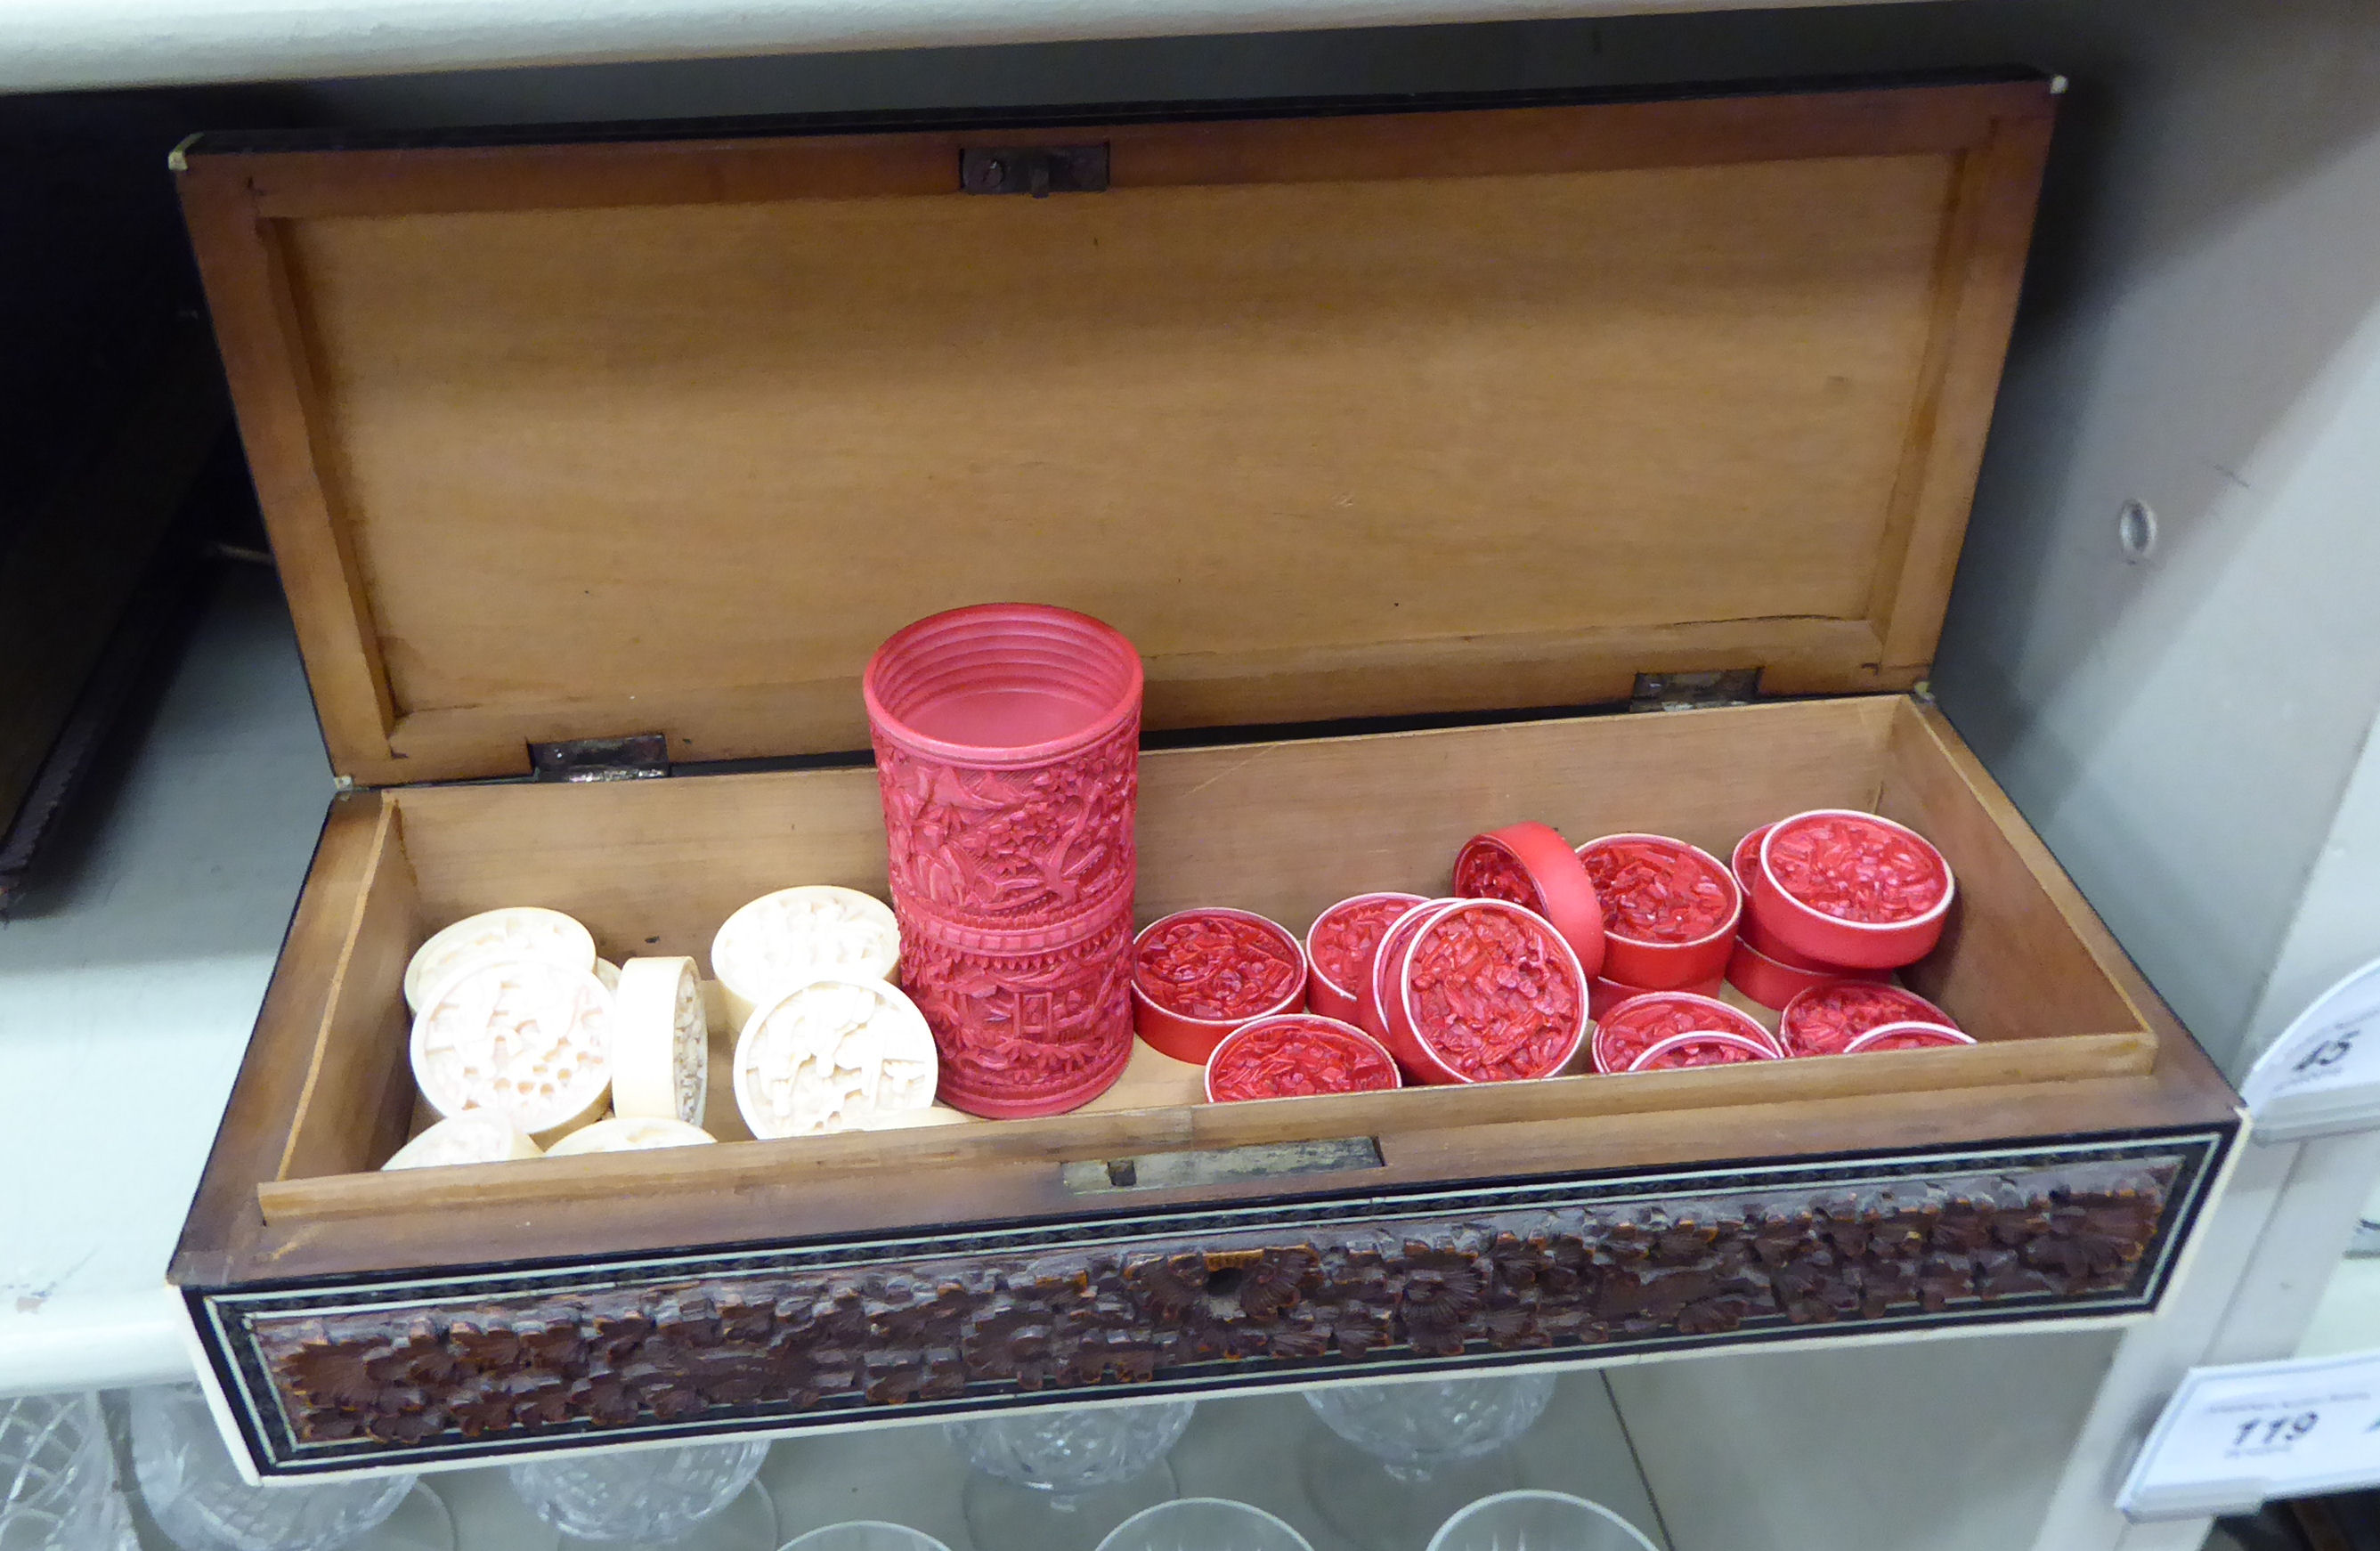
(1335, 409)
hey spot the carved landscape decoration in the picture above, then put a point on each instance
(975, 1325)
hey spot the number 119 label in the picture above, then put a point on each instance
(2235, 1436)
(2278, 1432)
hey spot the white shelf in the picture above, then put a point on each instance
(61, 44)
(126, 994)
(2348, 1318)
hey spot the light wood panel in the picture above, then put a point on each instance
(667, 860)
(1243, 145)
(2021, 936)
(1332, 415)
(264, 357)
(1985, 241)
(262, 1111)
(351, 1113)
(1201, 689)
(1284, 828)
(1252, 421)
(805, 1205)
(915, 1156)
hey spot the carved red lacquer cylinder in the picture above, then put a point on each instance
(1007, 746)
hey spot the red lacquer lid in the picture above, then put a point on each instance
(1907, 1036)
(1823, 1020)
(1743, 862)
(1490, 992)
(1637, 1025)
(1197, 975)
(1670, 909)
(1339, 947)
(1603, 994)
(1531, 866)
(1852, 888)
(1774, 982)
(1001, 684)
(1007, 759)
(1704, 1048)
(1755, 931)
(1297, 1053)
(1378, 1010)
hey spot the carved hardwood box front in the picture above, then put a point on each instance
(458, 1368)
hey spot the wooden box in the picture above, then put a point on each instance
(1443, 412)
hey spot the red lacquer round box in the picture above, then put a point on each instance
(1038, 1026)
(1197, 975)
(1637, 1025)
(1007, 739)
(1297, 1053)
(1744, 860)
(1603, 995)
(1823, 1020)
(1849, 888)
(1907, 1036)
(1704, 1047)
(1669, 909)
(1339, 947)
(1745, 863)
(1531, 866)
(1773, 985)
(1488, 992)
(1376, 1010)
(1764, 941)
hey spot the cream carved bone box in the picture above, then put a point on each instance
(1417, 410)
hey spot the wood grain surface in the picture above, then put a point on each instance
(1332, 416)
(652, 867)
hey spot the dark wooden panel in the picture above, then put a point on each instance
(357, 1376)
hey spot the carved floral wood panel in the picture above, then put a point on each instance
(1087, 1309)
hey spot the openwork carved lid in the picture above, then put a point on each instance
(1336, 413)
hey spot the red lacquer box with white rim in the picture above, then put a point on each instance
(619, 456)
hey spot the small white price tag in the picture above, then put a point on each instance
(2322, 1074)
(2233, 1436)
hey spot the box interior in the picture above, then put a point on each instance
(1336, 411)
(1281, 828)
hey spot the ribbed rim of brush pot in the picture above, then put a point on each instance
(1064, 681)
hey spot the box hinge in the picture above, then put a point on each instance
(1695, 691)
(637, 756)
(1037, 170)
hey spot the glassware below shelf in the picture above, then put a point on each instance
(1058, 1480)
(1538, 1521)
(1396, 1458)
(1204, 1524)
(868, 1535)
(195, 1494)
(687, 1498)
(57, 1477)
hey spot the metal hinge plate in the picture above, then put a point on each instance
(637, 756)
(1695, 691)
(1036, 170)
